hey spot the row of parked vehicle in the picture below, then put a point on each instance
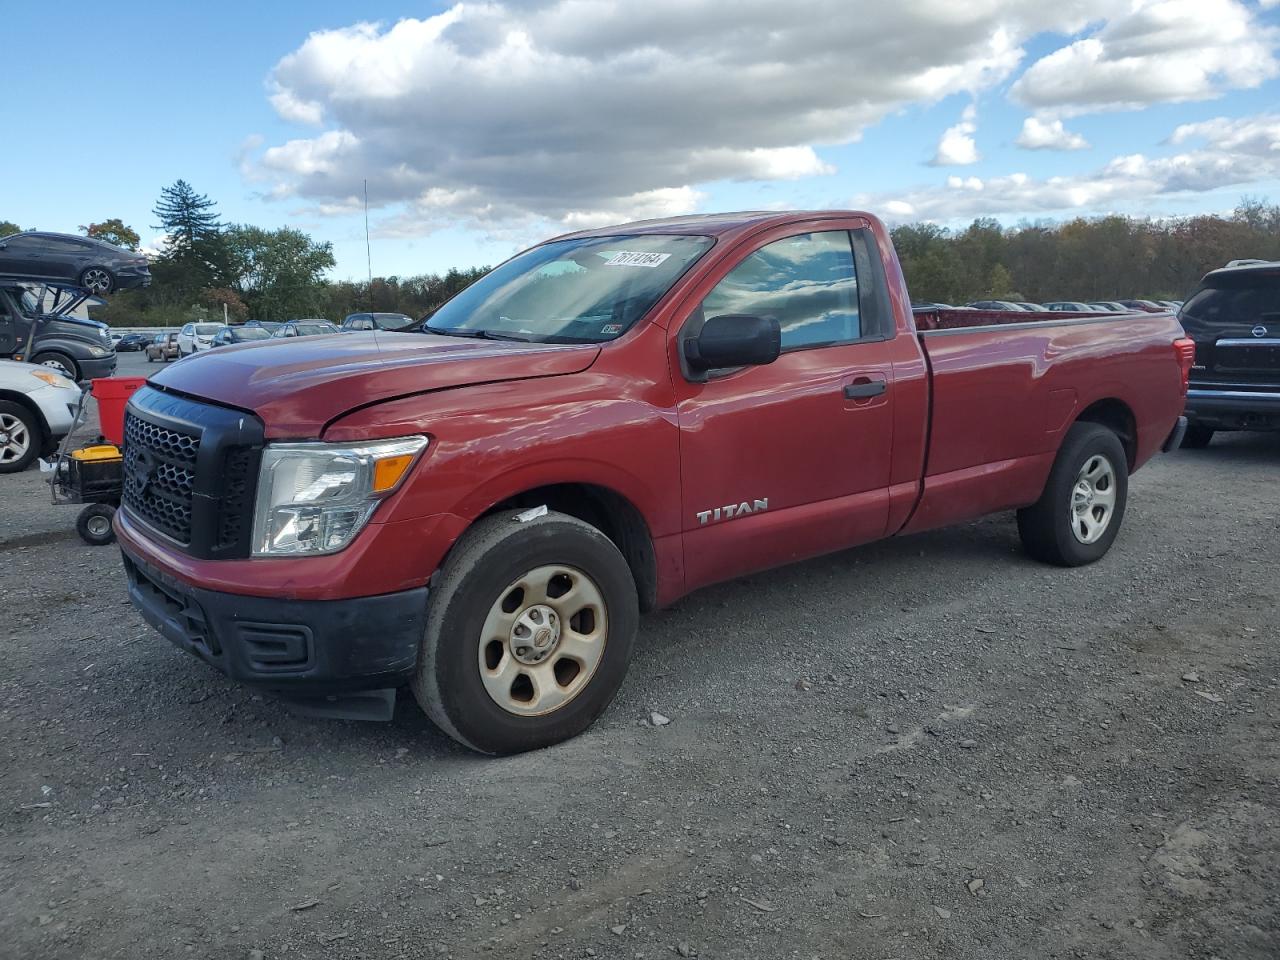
(1061, 306)
(195, 337)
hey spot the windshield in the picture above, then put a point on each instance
(391, 321)
(252, 333)
(207, 329)
(313, 329)
(571, 291)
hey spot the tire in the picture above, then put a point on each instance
(94, 524)
(1197, 437)
(150, 358)
(21, 437)
(60, 362)
(91, 527)
(1078, 516)
(97, 280)
(490, 584)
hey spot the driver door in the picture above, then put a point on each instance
(791, 459)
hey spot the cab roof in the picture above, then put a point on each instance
(715, 224)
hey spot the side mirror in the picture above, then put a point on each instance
(734, 340)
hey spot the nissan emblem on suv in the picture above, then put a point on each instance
(1259, 331)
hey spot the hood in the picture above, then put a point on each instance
(300, 384)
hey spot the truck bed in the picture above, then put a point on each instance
(1005, 387)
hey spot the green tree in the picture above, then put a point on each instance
(113, 231)
(195, 254)
(279, 274)
(7, 227)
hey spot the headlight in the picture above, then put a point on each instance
(314, 498)
(98, 351)
(54, 379)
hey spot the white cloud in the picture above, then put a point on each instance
(1230, 152)
(956, 147)
(568, 111)
(1040, 134)
(1161, 51)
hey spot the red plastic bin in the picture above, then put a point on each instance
(112, 393)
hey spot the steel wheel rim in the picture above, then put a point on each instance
(60, 366)
(1093, 499)
(98, 525)
(96, 280)
(15, 439)
(543, 640)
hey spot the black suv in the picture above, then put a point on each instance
(94, 265)
(377, 321)
(1234, 318)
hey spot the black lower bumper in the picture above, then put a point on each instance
(1233, 409)
(94, 368)
(299, 649)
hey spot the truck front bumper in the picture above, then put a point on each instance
(308, 651)
(1233, 409)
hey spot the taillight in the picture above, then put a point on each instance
(1185, 348)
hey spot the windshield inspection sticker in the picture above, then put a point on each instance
(633, 259)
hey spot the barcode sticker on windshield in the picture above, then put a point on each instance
(629, 258)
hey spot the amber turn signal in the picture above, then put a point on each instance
(387, 473)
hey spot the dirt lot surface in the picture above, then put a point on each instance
(929, 748)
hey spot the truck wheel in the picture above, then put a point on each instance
(1078, 516)
(529, 631)
(1197, 437)
(94, 524)
(21, 437)
(60, 362)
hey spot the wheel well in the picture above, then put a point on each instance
(609, 512)
(22, 400)
(1116, 416)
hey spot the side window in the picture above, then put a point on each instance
(808, 283)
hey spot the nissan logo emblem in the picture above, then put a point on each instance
(1259, 331)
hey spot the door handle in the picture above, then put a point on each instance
(864, 389)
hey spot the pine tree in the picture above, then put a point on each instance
(189, 218)
(195, 254)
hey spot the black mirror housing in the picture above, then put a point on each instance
(734, 340)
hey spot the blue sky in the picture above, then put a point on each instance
(491, 127)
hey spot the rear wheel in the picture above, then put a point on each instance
(1078, 516)
(529, 632)
(1197, 437)
(97, 280)
(21, 437)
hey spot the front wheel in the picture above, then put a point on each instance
(21, 437)
(1078, 516)
(60, 362)
(529, 632)
(94, 524)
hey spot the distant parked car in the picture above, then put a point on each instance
(132, 342)
(305, 328)
(195, 337)
(239, 334)
(377, 321)
(94, 265)
(1148, 306)
(163, 346)
(1072, 306)
(271, 326)
(1110, 306)
(1033, 307)
(1007, 305)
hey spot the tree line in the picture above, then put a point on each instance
(264, 274)
(1101, 258)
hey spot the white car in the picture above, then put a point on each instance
(37, 408)
(195, 337)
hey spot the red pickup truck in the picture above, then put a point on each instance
(601, 425)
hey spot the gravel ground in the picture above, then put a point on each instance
(930, 747)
